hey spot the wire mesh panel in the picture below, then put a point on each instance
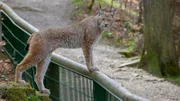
(74, 86)
(65, 84)
(52, 81)
(102, 94)
(15, 39)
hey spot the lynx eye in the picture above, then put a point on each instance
(103, 19)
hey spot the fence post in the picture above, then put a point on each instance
(1, 34)
(51, 83)
(0, 28)
(99, 92)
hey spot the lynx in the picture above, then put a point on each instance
(41, 44)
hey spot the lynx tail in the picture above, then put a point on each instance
(28, 42)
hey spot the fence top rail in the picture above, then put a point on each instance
(99, 77)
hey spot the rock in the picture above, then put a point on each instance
(17, 92)
(20, 93)
(111, 65)
(135, 75)
(43, 97)
(124, 69)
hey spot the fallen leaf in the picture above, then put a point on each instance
(2, 43)
(8, 60)
(1, 61)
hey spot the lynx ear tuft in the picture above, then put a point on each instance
(113, 12)
(100, 12)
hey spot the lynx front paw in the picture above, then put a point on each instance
(46, 91)
(91, 69)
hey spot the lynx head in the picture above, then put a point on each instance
(105, 18)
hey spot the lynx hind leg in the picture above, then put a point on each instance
(18, 74)
(34, 55)
(41, 69)
(26, 63)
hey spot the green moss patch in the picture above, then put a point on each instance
(20, 93)
(15, 92)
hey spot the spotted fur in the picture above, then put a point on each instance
(41, 44)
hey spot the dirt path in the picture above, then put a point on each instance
(51, 13)
(43, 14)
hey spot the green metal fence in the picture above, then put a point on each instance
(66, 79)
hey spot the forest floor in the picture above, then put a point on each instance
(45, 14)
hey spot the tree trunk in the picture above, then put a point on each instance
(91, 5)
(159, 54)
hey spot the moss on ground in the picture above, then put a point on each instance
(42, 97)
(15, 92)
(20, 93)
